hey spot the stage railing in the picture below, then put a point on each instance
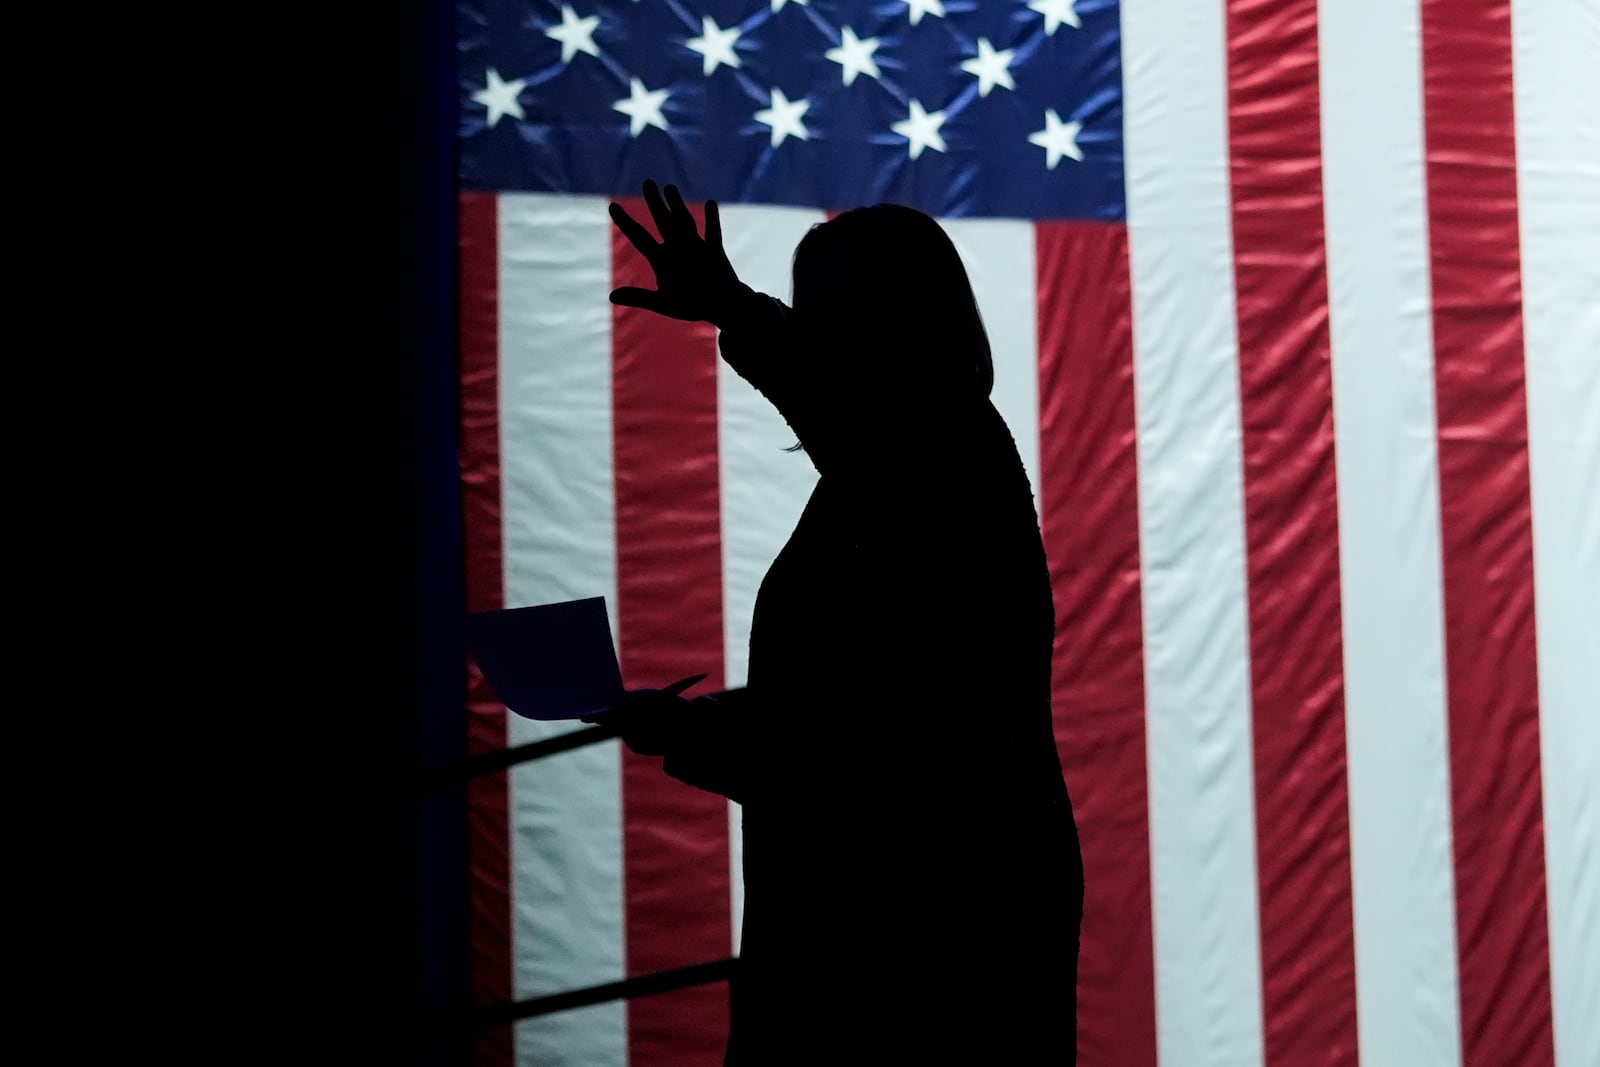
(482, 1018)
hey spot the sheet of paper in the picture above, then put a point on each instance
(549, 661)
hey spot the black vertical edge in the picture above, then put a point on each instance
(443, 976)
(377, 871)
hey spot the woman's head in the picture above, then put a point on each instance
(886, 285)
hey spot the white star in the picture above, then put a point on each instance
(777, 5)
(1056, 12)
(785, 117)
(501, 97)
(990, 67)
(715, 45)
(643, 107)
(855, 56)
(575, 34)
(921, 129)
(1057, 139)
(924, 7)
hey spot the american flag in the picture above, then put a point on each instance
(1295, 319)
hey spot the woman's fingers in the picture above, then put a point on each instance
(713, 225)
(658, 210)
(634, 231)
(671, 214)
(689, 272)
(682, 218)
(633, 297)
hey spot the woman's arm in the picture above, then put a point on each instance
(847, 430)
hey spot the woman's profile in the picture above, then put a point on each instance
(913, 883)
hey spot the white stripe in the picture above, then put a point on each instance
(1402, 864)
(764, 488)
(558, 506)
(999, 256)
(1191, 531)
(1556, 52)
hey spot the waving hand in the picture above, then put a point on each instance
(694, 280)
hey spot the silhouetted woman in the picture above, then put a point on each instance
(913, 885)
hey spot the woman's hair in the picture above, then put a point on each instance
(886, 282)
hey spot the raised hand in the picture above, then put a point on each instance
(694, 280)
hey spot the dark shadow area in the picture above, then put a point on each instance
(377, 872)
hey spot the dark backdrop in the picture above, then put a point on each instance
(377, 868)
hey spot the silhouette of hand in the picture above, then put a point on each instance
(649, 720)
(694, 280)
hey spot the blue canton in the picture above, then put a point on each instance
(959, 107)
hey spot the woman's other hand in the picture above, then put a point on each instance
(694, 280)
(650, 721)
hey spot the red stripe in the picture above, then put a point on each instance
(489, 832)
(1089, 513)
(669, 593)
(1486, 534)
(1291, 527)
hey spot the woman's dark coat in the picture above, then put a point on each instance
(913, 884)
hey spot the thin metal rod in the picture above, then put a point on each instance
(489, 762)
(643, 986)
(473, 766)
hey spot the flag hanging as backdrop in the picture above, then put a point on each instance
(1295, 323)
